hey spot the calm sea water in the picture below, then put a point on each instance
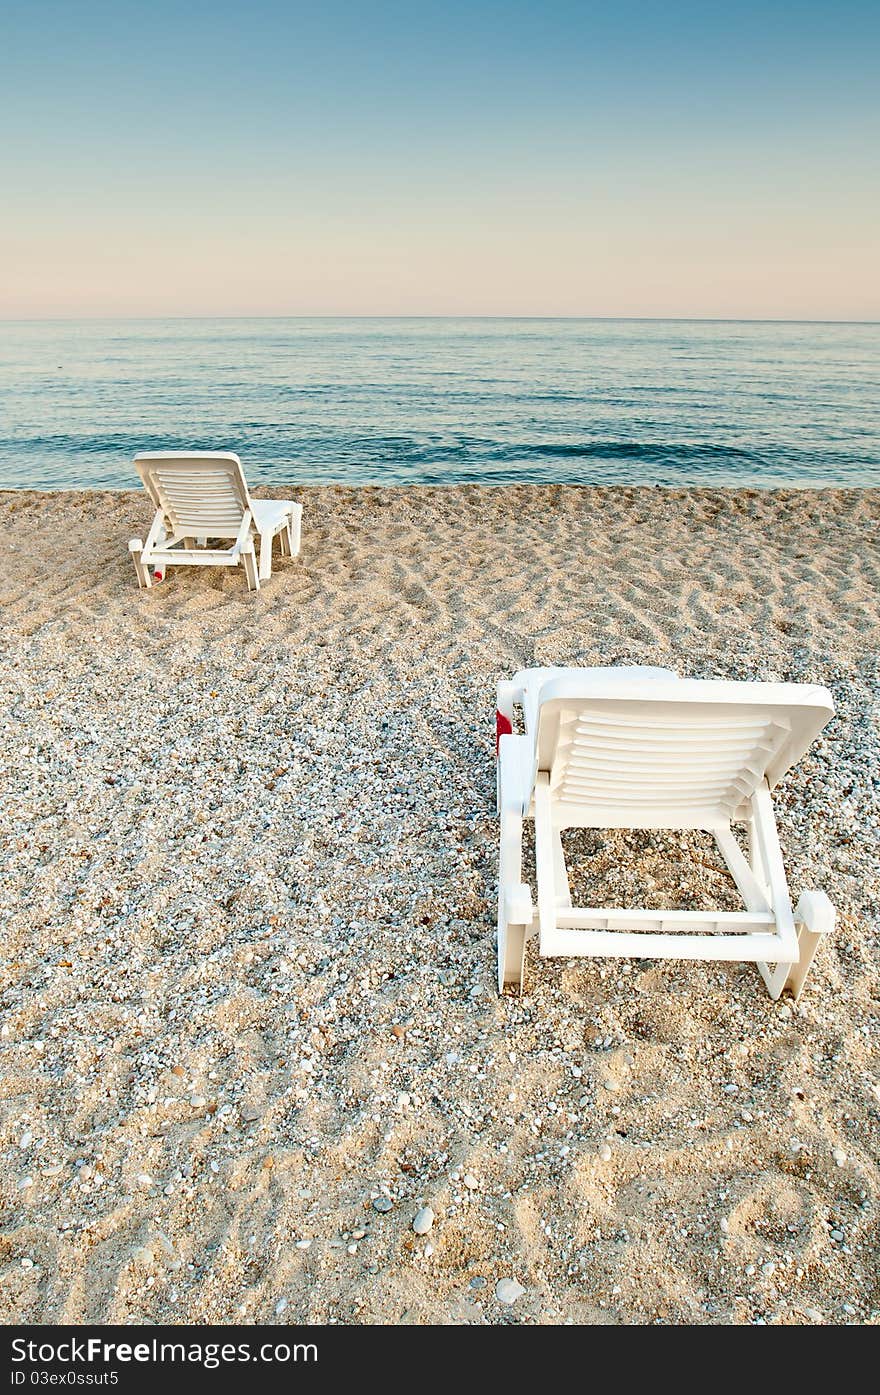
(439, 401)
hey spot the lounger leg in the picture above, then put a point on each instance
(514, 904)
(265, 556)
(814, 917)
(514, 899)
(144, 579)
(294, 530)
(756, 861)
(560, 873)
(249, 558)
(546, 855)
(506, 697)
(752, 891)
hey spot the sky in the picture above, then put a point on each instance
(470, 157)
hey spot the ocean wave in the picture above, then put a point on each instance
(424, 402)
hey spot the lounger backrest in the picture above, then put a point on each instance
(202, 493)
(688, 755)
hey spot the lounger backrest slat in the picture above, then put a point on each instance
(200, 493)
(664, 771)
(690, 755)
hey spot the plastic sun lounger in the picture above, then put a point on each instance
(202, 496)
(642, 748)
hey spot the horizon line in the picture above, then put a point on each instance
(339, 315)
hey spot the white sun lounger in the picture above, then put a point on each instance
(202, 496)
(642, 748)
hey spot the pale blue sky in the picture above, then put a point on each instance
(484, 158)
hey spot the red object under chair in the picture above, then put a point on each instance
(503, 727)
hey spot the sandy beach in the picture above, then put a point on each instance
(247, 878)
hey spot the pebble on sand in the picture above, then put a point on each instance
(423, 1221)
(508, 1291)
(382, 1204)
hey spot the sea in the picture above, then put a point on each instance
(444, 401)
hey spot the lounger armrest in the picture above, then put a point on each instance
(518, 908)
(815, 912)
(508, 696)
(244, 535)
(514, 774)
(155, 537)
(135, 544)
